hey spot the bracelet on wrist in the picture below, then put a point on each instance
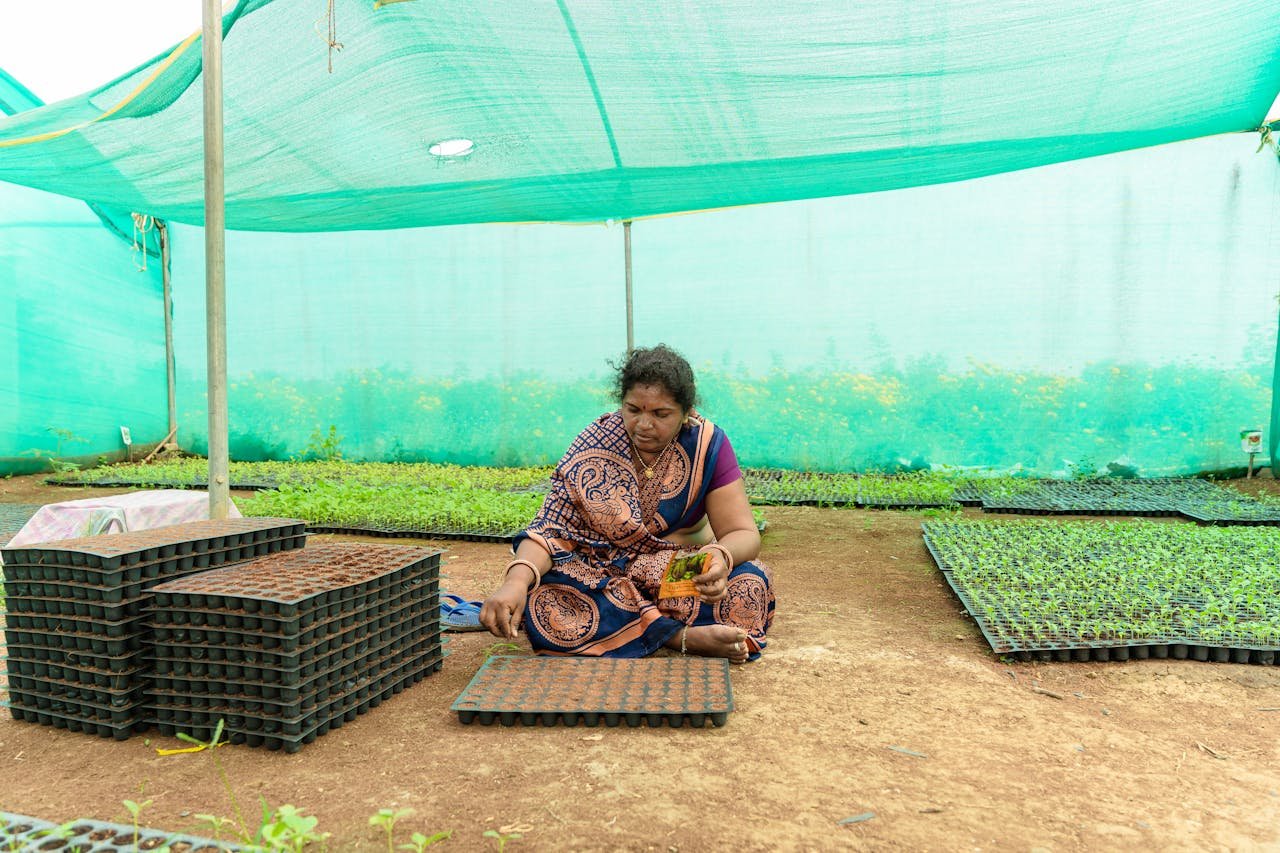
(725, 553)
(537, 575)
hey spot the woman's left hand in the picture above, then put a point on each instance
(713, 583)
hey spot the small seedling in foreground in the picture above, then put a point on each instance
(502, 839)
(211, 746)
(135, 809)
(386, 818)
(420, 842)
(287, 828)
(215, 824)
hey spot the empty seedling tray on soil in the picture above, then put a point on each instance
(568, 691)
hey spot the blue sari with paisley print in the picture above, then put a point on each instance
(604, 528)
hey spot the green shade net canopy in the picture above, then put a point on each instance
(420, 113)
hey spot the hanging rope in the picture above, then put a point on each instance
(331, 18)
(142, 225)
(1268, 140)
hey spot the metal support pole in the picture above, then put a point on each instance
(215, 263)
(163, 231)
(626, 251)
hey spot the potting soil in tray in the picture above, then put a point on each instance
(286, 647)
(74, 608)
(569, 690)
(19, 832)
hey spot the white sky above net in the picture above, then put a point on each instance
(64, 48)
(60, 49)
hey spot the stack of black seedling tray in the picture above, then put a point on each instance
(567, 690)
(74, 624)
(285, 648)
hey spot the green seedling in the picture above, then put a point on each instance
(501, 649)
(216, 824)
(500, 838)
(1132, 583)
(211, 747)
(287, 828)
(420, 842)
(135, 810)
(386, 819)
(48, 836)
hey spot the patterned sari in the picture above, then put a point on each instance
(603, 527)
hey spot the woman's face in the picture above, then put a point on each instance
(651, 416)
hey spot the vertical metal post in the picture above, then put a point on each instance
(626, 252)
(163, 231)
(215, 263)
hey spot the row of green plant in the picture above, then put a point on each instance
(920, 488)
(194, 471)
(443, 510)
(1041, 585)
(1198, 499)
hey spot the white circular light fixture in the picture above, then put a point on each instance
(448, 148)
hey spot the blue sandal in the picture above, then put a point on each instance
(458, 614)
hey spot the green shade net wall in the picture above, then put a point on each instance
(1116, 310)
(81, 325)
(81, 334)
(588, 110)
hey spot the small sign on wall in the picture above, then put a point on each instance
(126, 437)
(1251, 440)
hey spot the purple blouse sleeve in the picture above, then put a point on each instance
(726, 470)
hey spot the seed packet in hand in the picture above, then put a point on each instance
(677, 580)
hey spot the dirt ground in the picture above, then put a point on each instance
(876, 695)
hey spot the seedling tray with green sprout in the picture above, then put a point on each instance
(1114, 590)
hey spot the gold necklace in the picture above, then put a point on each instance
(649, 467)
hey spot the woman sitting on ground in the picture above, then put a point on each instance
(636, 486)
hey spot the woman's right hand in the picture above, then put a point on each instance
(501, 612)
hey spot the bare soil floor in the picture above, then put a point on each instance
(877, 695)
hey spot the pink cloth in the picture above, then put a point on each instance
(116, 514)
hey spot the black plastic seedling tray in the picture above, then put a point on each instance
(22, 833)
(150, 572)
(110, 551)
(876, 503)
(272, 701)
(75, 673)
(200, 678)
(1227, 518)
(290, 735)
(289, 583)
(1067, 648)
(567, 691)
